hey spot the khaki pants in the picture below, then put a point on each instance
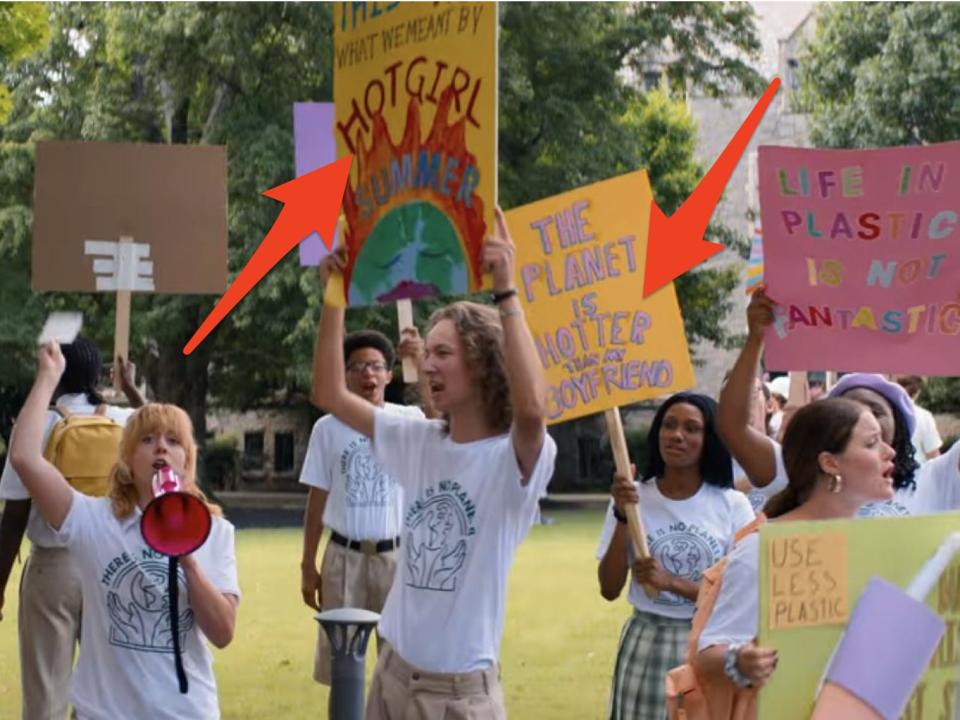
(400, 691)
(49, 629)
(350, 578)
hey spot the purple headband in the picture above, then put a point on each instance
(894, 394)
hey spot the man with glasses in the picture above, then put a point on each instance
(353, 496)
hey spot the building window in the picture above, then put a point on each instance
(652, 80)
(793, 74)
(283, 452)
(253, 451)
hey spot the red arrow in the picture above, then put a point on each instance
(676, 244)
(311, 203)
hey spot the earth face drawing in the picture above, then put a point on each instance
(413, 252)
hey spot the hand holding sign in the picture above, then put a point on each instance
(760, 313)
(50, 361)
(499, 255)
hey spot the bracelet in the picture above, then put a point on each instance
(621, 518)
(730, 665)
(499, 297)
(508, 312)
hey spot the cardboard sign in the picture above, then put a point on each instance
(170, 200)
(580, 272)
(859, 252)
(415, 87)
(808, 581)
(314, 147)
(894, 549)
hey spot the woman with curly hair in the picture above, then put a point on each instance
(125, 666)
(762, 458)
(471, 482)
(691, 514)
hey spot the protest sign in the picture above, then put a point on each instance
(580, 274)
(415, 87)
(812, 575)
(859, 253)
(314, 147)
(125, 218)
(170, 200)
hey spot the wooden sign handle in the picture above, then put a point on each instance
(621, 458)
(405, 320)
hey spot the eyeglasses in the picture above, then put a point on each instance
(359, 367)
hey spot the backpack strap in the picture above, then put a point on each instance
(750, 527)
(62, 410)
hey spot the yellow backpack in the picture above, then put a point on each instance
(84, 449)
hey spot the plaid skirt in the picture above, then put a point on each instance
(650, 646)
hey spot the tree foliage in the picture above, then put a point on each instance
(228, 73)
(23, 31)
(884, 74)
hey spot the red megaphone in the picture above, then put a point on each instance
(174, 523)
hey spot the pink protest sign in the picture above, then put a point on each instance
(860, 252)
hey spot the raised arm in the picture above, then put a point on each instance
(528, 387)
(128, 382)
(46, 485)
(329, 375)
(750, 447)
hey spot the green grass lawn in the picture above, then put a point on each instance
(558, 646)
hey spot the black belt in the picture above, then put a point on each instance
(368, 547)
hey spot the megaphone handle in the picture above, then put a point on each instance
(173, 591)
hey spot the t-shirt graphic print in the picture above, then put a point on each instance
(438, 533)
(138, 603)
(685, 550)
(365, 482)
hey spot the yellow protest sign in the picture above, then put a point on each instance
(580, 276)
(415, 88)
(893, 549)
(808, 580)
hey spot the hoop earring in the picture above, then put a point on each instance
(836, 483)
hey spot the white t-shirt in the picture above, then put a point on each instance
(938, 484)
(685, 536)
(126, 664)
(364, 502)
(926, 438)
(736, 614)
(465, 514)
(776, 420)
(11, 486)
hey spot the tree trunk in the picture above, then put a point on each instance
(182, 380)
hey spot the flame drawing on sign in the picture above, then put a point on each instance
(414, 222)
